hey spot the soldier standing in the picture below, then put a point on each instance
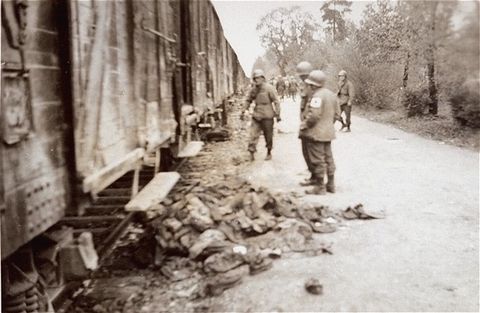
(318, 131)
(267, 107)
(303, 70)
(280, 87)
(346, 94)
(292, 88)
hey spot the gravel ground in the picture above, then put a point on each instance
(424, 256)
(442, 128)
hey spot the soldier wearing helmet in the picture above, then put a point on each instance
(292, 87)
(318, 131)
(267, 107)
(281, 87)
(303, 70)
(346, 94)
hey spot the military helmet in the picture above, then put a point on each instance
(316, 78)
(304, 68)
(342, 73)
(258, 73)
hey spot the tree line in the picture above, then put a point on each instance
(404, 55)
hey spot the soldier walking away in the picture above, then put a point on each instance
(280, 86)
(267, 107)
(318, 130)
(346, 94)
(292, 88)
(303, 70)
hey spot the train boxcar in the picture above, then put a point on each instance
(36, 122)
(90, 89)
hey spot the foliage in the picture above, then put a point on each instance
(415, 101)
(465, 103)
(381, 37)
(459, 55)
(267, 64)
(287, 32)
(405, 57)
(335, 18)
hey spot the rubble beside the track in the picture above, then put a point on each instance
(213, 230)
(229, 224)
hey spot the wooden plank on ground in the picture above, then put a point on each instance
(110, 173)
(191, 149)
(154, 192)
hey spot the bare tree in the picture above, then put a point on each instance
(267, 64)
(287, 32)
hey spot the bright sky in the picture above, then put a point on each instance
(239, 19)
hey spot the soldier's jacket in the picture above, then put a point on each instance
(280, 84)
(266, 100)
(303, 100)
(346, 92)
(320, 112)
(293, 86)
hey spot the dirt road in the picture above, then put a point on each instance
(424, 256)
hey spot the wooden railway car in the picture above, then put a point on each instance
(89, 89)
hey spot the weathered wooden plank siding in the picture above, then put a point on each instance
(103, 95)
(33, 171)
(127, 87)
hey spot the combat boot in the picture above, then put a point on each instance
(269, 155)
(308, 182)
(348, 129)
(331, 184)
(252, 156)
(319, 188)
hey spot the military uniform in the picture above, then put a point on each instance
(317, 130)
(303, 69)
(267, 107)
(303, 113)
(280, 87)
(346, 94)
(292, 89)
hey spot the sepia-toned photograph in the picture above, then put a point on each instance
(240, 156)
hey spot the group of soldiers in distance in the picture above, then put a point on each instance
(320, 108)
(286, 86)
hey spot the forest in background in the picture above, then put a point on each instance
(405, 58)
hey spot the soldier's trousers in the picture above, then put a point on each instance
(321, 158)
(348, 112)
(306, 155)
(258, 126)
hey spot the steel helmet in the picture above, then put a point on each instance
(258, 73)
(342, 73)
(304, 68)
(316, 78)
